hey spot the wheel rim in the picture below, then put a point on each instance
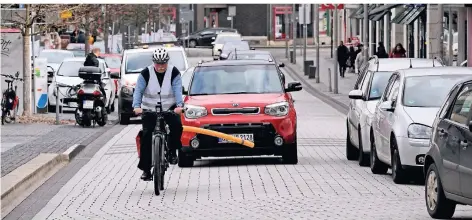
(432, 190)
(192, 43)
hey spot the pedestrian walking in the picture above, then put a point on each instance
(57, 41)
(381, 52)
(352, 59)
(360, 59)
(343, 56)
(398, 51)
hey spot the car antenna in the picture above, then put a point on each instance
(411, 66)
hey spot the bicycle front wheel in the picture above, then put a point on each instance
(156, 176)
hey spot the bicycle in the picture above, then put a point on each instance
(10, 101)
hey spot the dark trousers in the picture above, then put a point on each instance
(149, 123)
(342, 68)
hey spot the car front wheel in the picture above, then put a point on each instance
(439, 207)
(351, 150)
(290, 153)
(376, 166)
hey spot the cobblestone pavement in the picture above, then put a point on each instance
(323, 185)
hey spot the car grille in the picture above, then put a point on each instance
(264, 134)
(229, 111)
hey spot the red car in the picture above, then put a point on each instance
(243, 98)
(113, 62)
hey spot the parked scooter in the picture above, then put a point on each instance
(91, 101)
(10, 101)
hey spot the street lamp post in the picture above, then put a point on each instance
(335, 36)
(317, 41)
(305, 33)
(366, 31)
(294, 26)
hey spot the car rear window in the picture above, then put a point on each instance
(135, 62)
(428, 91)
(70, 68)
(227, 38)
(55, 57)
(241, 79)
(113, 62)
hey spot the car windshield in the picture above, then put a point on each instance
(136, 62)
(230, 47)
(113, 62)
(70, 68)
(55, 57)
(227, 38)
(428, 91)
(379, 82)
(240, 79)
(238, 56)
(78, 53)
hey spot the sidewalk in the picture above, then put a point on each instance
(345, 85)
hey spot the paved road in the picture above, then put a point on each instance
(323, 185)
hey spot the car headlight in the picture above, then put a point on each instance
(419, 131)
(127, 90)
(194, 112)
(277, 109)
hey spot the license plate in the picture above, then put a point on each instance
(88, 104)
(246, 137)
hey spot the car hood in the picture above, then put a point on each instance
(130, 78)
(71, 81)
(423, 116)
(371, 106)
(226, 101)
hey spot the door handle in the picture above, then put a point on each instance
(464, 144)
(442, 132)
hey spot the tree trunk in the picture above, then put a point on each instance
(106, 23)
(87, 31)
(27, 67)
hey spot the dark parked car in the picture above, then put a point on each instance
(203, 37)
(448, 163)
(231, 47)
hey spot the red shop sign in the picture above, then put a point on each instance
(331, 6)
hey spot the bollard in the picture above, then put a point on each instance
(329, 80)
(312, 72)
(57, 104)
(306, 65)
(291, 56)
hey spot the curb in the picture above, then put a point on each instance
(71, 152)
(343, 108)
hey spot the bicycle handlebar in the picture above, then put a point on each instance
(12, 77)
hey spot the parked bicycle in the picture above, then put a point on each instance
(10, 101)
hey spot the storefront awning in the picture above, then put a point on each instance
(353, 14)
(400, 16)
(413, 15)
(379, 16)
(360, 14)
(383, 9)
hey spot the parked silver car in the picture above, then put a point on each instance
(404, 116)
(365, 96)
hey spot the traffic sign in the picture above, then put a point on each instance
(330, 6)
(66, 14)
(301, 10)
(231, 11)
(186, 16)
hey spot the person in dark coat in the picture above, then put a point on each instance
(92, 58)
(352, 58)
(398, 51)
(381, 52)
(343, 56)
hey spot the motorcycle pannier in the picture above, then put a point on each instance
(90, 73)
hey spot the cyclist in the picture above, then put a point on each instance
(159, 79)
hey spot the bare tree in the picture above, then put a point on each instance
(25, 22)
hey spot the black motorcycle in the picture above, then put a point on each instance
(90, 98)
(10, 101)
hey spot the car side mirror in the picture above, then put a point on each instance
(387, 106)
(281, 64)
(115, 75)
(293, 87)
(213, 38)
(252, 48)
(355, 94)
(219, 50)
(184, 92)
(107, 70)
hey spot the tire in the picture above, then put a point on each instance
(103, 121)
(290, 153)
(185, 160)
(376, 166)
(156, 174)
(398, 173)
(86, 118)
(443, 208)
(363, 157)
(124, 119)
(192, 44)
(6, 116)
(352, 153)
(162, 167)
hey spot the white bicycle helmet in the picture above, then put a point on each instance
(160, 56)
